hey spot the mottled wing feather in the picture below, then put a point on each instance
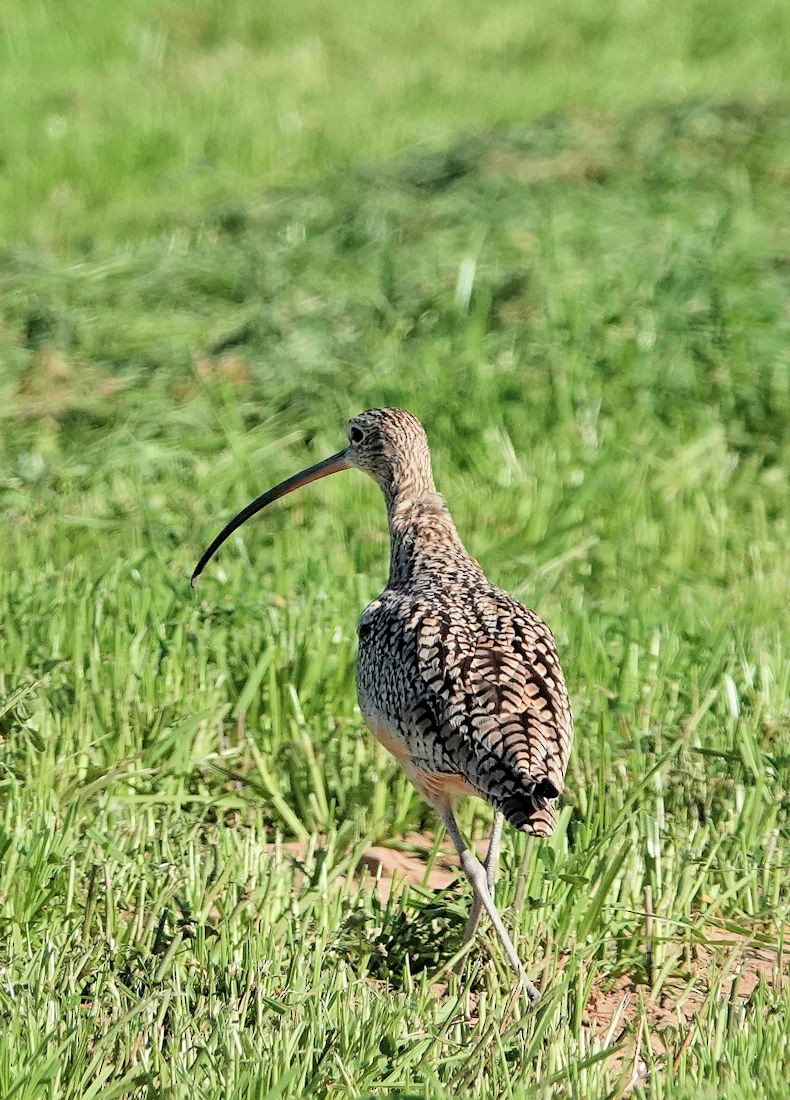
(493, 692)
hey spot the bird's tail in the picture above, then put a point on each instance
(533, 809)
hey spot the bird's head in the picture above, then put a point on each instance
(389, 445)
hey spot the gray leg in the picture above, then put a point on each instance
(478, 876)
(492, 859)
(491, 862)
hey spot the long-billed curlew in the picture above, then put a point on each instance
(456, 678)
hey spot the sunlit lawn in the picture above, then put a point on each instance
(229, 230)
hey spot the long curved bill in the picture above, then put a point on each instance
(330, 465)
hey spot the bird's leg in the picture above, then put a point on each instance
(478, 877)
(491, 862)
(492, 859)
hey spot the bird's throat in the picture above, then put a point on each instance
(423, 537)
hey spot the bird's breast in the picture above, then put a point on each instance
(386, 731)
(386, 669)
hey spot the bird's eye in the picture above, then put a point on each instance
(356, 435)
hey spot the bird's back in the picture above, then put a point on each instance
(462, 683)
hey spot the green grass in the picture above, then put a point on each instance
(117, 124)
(588, 310)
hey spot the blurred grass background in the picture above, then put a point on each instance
(117, 124)
(558, 234)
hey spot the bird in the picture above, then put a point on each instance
(457, 679)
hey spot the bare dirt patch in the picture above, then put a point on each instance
(394, 869)
(722, 965)
(410, 864)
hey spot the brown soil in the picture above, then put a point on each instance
(394, 869)
(724, 965)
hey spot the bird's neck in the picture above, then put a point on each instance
(423, 538)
